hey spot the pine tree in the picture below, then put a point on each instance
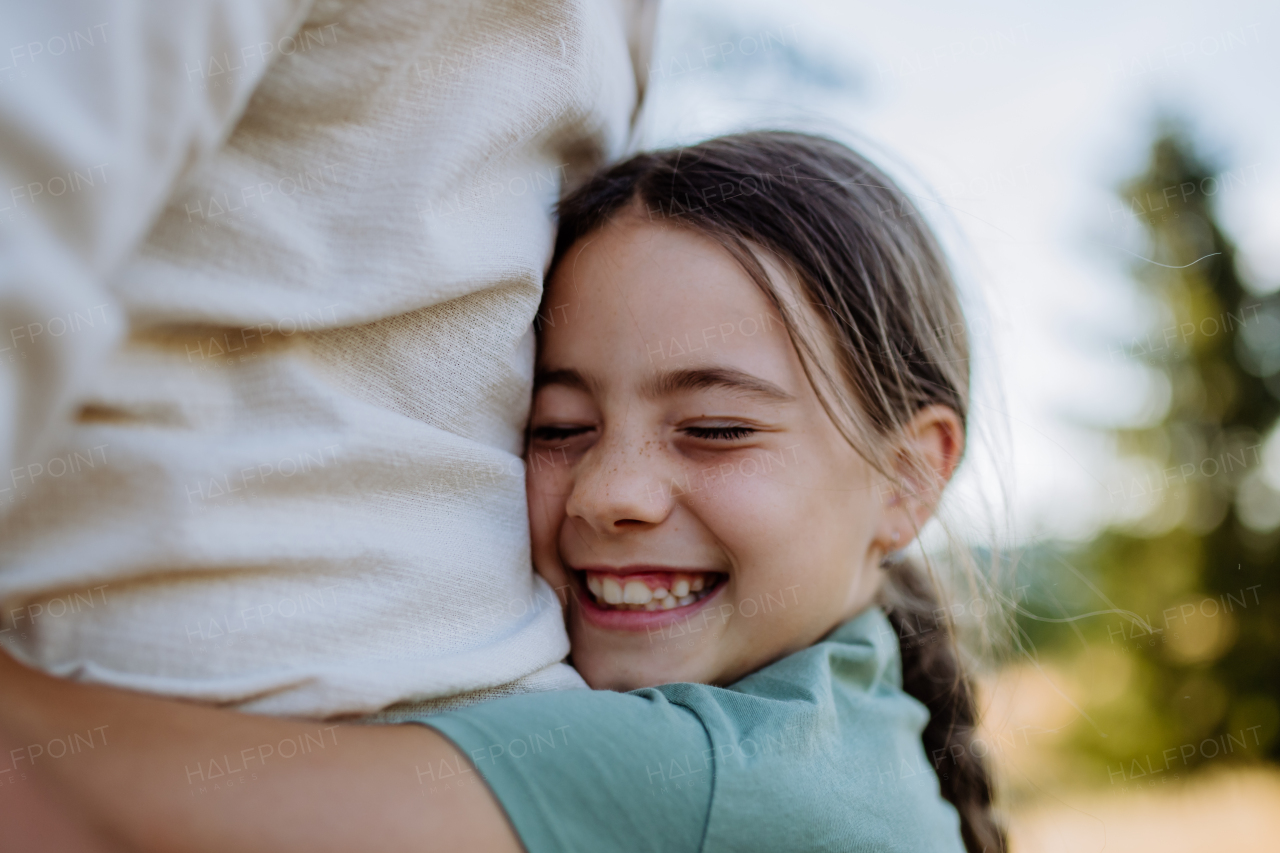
(1198, 565)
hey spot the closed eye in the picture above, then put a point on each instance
(558, 433)
(719, 433)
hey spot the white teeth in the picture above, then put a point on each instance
(636, 592)
(611, 591)
(636, 595)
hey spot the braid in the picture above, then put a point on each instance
(933, 673)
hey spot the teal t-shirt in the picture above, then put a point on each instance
(818, 751)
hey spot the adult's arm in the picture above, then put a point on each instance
(103, 105)
(143, 774)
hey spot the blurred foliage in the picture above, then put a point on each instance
(1186, 648)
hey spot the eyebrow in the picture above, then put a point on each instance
(695, 379)
(567, 377)
(674, 381)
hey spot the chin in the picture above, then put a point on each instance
(622, 672)
(603, 675)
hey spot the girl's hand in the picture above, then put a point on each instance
(90, 768)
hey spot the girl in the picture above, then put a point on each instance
(741, 413)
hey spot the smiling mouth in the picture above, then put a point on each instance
(650, 590)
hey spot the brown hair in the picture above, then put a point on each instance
(867, 264)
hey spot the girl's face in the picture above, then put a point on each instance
(686, 488)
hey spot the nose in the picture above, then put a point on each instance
(618, 486)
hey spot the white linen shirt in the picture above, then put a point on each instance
(267, 276)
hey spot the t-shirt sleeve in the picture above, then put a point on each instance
(583, 770)
(819, 751)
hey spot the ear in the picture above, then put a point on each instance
(927, 454)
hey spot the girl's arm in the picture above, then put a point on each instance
(141, 773)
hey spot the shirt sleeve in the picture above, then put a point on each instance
(104, 104)
(818, 752)
(583, 770)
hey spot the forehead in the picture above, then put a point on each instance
(665, 290)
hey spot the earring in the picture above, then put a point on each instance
(896, 536)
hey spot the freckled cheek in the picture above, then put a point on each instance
(780, 533)
(751, 516)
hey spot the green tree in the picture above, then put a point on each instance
(1195, 562)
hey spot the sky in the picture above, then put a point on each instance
(1011, 124)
